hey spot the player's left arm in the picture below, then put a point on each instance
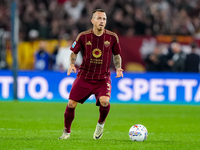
(117, 58)
(117, 62)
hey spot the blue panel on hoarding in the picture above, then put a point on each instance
(157, 88)
(169, 88)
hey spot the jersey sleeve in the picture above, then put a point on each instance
(76, 46)
(116, 47)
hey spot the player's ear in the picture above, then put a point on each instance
(92, 21)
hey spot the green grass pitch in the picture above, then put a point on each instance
(37, 125)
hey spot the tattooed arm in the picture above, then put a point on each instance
(73, 58)
(72, 63)
(117, 62)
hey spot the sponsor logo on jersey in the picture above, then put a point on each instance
(88, 43)
(96, 53)
(73, 45)
(96, 61)
(106, 43)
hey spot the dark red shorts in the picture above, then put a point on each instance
(82, 89)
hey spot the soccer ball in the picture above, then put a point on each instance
(138, 132)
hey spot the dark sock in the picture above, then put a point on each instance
(103, 113)
(68, 118)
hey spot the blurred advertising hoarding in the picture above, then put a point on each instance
(170, 88)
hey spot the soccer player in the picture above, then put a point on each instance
(93, 76)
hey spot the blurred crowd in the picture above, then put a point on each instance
(57, 61)
(174, 59)
(63, 19)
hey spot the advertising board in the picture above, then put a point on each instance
(132, 88)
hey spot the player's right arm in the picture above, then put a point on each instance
(75, 48)
(72, 67)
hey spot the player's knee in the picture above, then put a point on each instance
(72, 104)
(104, 100)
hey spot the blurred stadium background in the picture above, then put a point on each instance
(160, 40)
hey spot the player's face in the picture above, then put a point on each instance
(99, 20)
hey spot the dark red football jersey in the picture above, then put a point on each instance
(97, 52)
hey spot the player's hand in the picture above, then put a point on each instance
(119, 73)
(71, 68)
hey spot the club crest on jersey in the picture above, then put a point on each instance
(96, 53)
(88, 43)
(73, 45)
(106, 43)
